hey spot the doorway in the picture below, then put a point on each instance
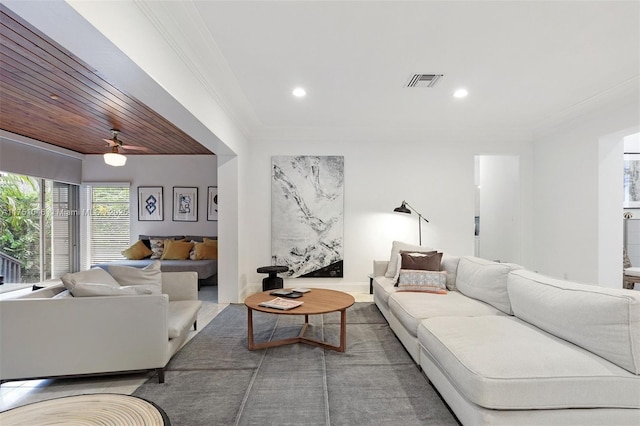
(497, 208)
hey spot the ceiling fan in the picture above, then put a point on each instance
(115, 158)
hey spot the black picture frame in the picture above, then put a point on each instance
(185, 204)
(212, 203)
(150, 203)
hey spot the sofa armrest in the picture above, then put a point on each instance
(380, 267)
(82, 335)
(180, 285)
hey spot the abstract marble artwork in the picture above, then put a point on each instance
(307, 218)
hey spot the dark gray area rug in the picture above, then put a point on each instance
(215, 380)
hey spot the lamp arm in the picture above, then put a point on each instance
(416, 212)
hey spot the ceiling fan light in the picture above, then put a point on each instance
(115, 159)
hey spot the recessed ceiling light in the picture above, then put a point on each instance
(460, 93)
(299, 92)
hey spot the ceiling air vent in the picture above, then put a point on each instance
(424, 80)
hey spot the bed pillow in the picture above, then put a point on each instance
(422, 281)
(176, 250)
(149, 277)
(203, 251)
(137, 251)
(95, 275)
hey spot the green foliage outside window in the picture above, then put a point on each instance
(20, 225)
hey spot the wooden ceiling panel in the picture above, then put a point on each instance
(48, 94)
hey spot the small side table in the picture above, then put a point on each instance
(273, 281)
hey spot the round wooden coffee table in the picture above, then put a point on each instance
(317, 301)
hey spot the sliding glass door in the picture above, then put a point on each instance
(38, 230)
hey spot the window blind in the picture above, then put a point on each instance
(107, 223)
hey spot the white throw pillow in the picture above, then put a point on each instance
(95, 275)
(93, 290)
(149, 277)
(395, 250)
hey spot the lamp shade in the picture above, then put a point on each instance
(115, 159)
(402, 209)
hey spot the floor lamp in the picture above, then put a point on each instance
(407, 208)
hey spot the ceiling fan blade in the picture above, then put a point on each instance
(135, 148)
(110, 142)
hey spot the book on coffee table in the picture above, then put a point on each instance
(280, 303)
(286, 293)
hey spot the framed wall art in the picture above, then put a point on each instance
(185, 204)
(212, 203)
(150, 203)
(631, 181)
(307, 208)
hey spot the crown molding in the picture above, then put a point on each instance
(183, 29)
(391, 134)
(623, 93)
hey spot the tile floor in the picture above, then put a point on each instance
(17, 393)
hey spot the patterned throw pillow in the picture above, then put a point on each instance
(157, 247)
(423, 281)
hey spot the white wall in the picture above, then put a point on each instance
(574, 223)
(435, 177)
(166, 171)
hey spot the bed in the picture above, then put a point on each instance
(207, 269)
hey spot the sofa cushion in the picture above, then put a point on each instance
(485, 280)
(501, 362)
(411, 308)
(601, 320)
(66, 294)
(422, 281)
(383, 287)
(95, 276)
(94, 290)
(182, 315)
(148, 277)
(395, 250)
(450, 263)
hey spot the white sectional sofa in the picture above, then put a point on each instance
(44, 334)
(508, 346)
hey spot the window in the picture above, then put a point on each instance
(38, 228)
(106, 222)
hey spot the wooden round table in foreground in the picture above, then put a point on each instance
(317, 301)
